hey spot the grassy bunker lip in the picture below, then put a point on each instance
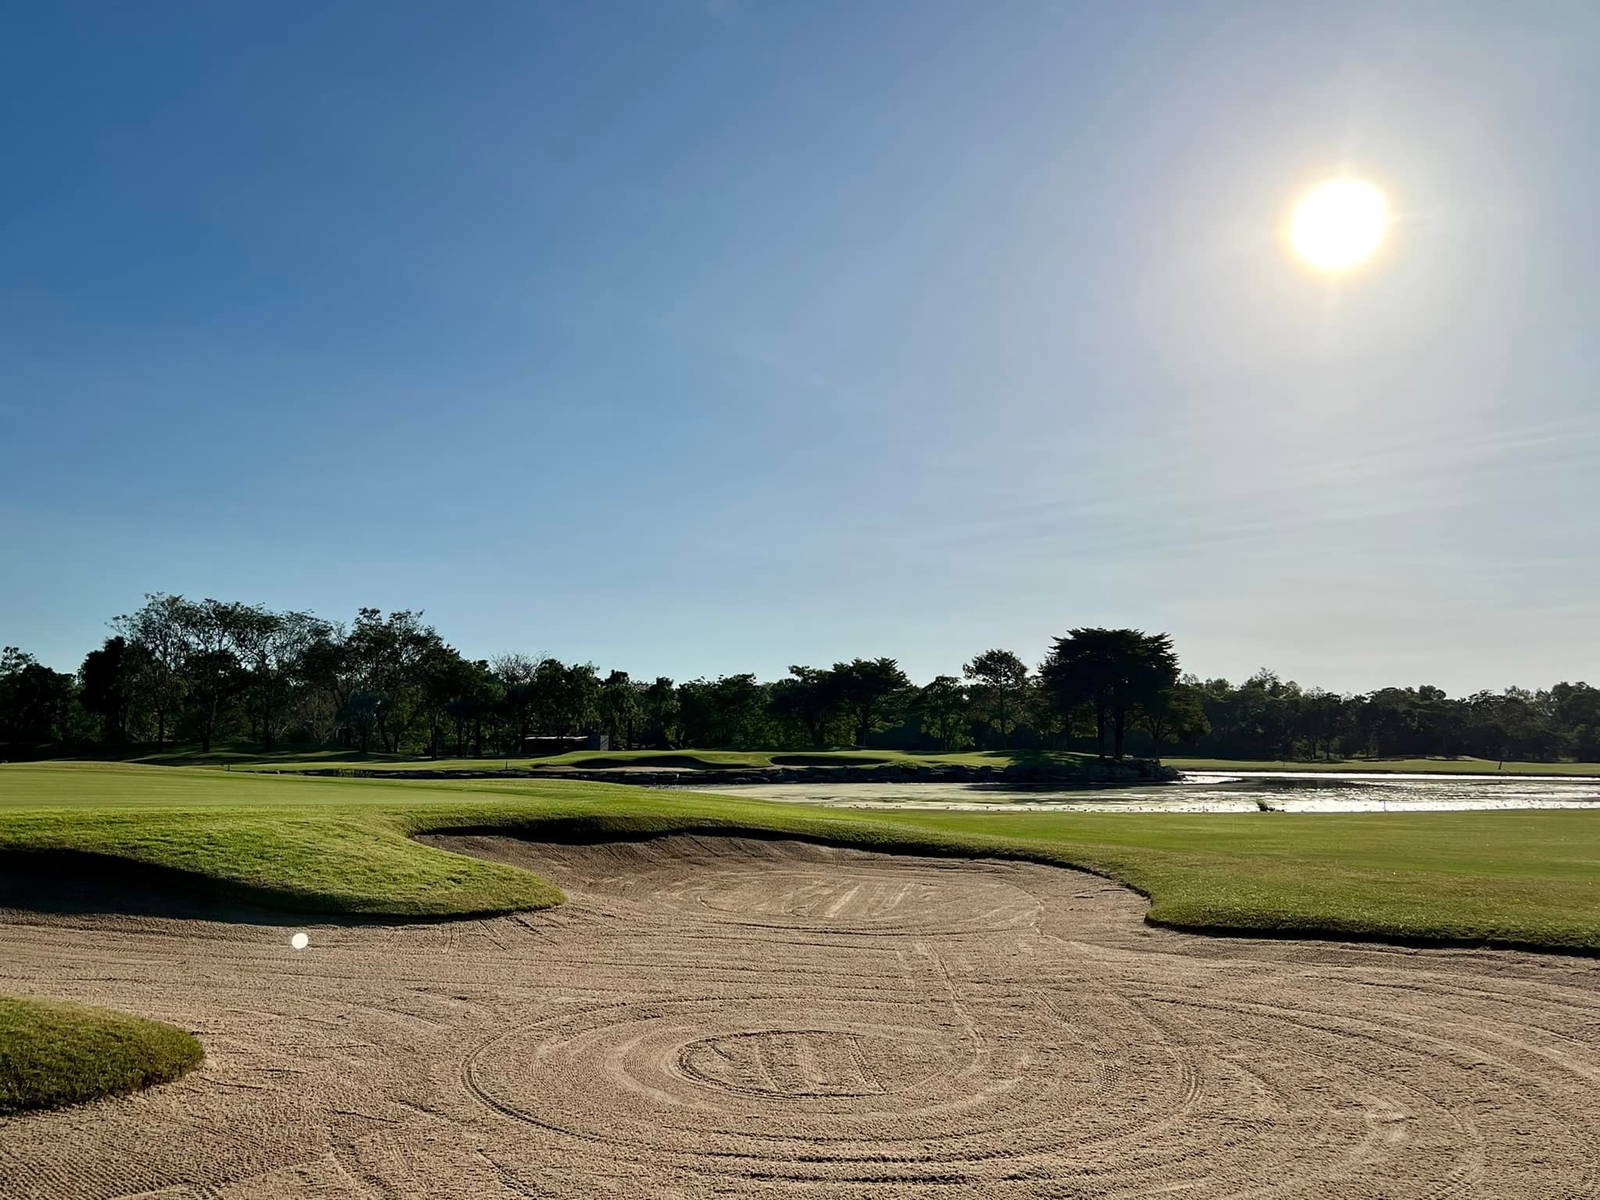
(54, 1053)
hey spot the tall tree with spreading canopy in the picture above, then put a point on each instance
(107, 680)
(1112, 672)
(658, 703)
(273, 648)
(944, 712)
(388, 655)
(214, 632)
(1000, 686)
(809, 699)
(619, 709)
(728, 712)
(873, 691)
(516, 674)
(156, 628)
(461, 692)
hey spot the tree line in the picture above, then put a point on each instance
(206, 672)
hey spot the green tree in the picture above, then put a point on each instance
(329, 677)
(809, 699)
(660, 714)
(458, 692)
(360, 713)
(874, 693)
(581, 698)
(388, 657)
(516, 674)
(1112, 672)
(729, 712)
(1576, 710)
(565, 697)
(273, 648)
(107, 680)
(156, 628)
(1322, 720)
(36, 703)
(619, 709)
(944, 712)
(1173, 714)
(213, 632)
(1000, 691)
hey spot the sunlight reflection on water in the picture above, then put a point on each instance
(1197, 792)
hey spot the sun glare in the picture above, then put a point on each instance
(1339, 224)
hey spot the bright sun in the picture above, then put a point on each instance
(1339, 224)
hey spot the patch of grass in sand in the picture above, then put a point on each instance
(343, 846)
(53, 1053)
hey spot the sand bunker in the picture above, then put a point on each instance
(713, 1017)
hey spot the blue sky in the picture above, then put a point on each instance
(700, 337)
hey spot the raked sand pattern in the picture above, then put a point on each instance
(731, 1017)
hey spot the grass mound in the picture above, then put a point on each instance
(53, 1053)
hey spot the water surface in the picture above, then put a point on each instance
(1238, 791)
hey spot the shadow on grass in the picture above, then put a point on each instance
(72, 883)
(79, 883)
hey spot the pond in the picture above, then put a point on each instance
(1196, 792)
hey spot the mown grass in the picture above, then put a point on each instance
(343, 846)
(53, 1053)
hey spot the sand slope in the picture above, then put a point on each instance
(720, 1017)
